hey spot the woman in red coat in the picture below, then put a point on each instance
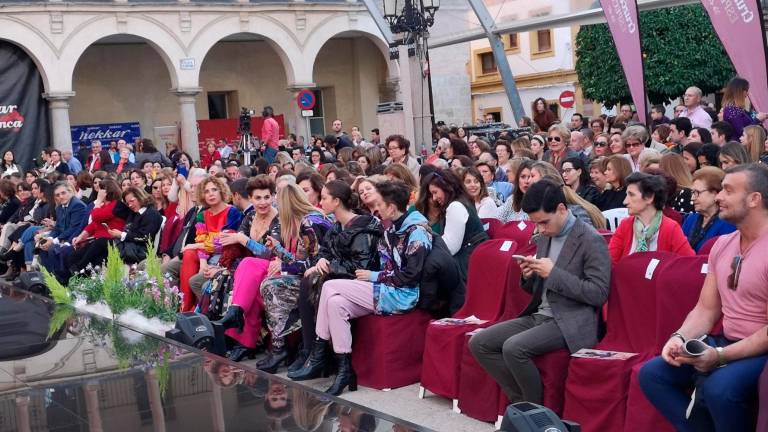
(647, 229)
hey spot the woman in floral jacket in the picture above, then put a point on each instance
(403, 251)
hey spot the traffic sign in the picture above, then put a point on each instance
(567, 99)
(306, 99)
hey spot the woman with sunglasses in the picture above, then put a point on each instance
(558, 138)
(600, 146)
(634, 138)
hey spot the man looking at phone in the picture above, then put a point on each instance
(736, 289)
(568, 280)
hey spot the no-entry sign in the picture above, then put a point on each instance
(306, 99)
(567, 99)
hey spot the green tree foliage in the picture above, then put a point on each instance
(680, 48)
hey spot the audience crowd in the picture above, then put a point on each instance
(340, 228)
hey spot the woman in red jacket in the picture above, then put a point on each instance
(90, 245)
(647, 229)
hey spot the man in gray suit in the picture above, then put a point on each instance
(568, 280)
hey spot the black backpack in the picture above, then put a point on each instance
(441, 291)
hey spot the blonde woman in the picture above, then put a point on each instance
(674, 165)
(753, 140)
(302, 227)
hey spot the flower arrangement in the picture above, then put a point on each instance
(120, 290)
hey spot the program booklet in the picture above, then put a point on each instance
(602, 354)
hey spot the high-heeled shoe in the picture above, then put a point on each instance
(239, 352)
(345, 378)
(233, 318)
(315, 364)
(273, 361)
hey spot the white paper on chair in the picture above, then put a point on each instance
(651, 268)
(506, 246)
(522, 226)
(602, 354)
(704, 268)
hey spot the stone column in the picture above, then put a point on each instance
(187, 99)
(295, 122)
(91, 391)
(58, 104)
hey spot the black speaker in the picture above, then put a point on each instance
(32, 282)
(196, 330)
(530, 417)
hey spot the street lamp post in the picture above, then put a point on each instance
(412, 19)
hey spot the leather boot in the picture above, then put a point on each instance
(233, 318)
(301, 358)
(273, 361)
(345, 377)
(12, 273)
(315, 365)
(239, 352)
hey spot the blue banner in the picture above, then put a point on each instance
(84, 134)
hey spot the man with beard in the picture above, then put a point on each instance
(736, 289)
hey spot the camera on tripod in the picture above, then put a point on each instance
(244, 127)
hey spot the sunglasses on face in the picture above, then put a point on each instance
(601, 144)
(556, 139)
(637, 144)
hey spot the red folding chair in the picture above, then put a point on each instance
(491, 226)
(677, 290)
(707, 246)
(596, 390)
(519, 231)
(387, 351)
(491, 270)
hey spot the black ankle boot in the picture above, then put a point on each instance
(301, 358)
(239, 352)
(315, 365)
(345, 377)
(233, 318)
(273, 361)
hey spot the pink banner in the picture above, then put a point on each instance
(740, 29)
(621, 16)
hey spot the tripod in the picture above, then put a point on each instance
(248, 145)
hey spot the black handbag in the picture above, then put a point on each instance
(132, 253)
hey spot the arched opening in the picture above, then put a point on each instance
(122, 79)
(351, 76)
(24, 117)
(243, 70)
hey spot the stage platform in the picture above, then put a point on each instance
(65, 370)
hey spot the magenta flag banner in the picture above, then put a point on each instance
(739, 26)
(623, 22)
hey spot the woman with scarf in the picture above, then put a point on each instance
(647, 229)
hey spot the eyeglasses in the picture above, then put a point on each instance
(601, 144)
(695, 193)
(566, 170)
(733, 279)
(557, 139)
(155, 187)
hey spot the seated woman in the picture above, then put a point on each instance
(243, 317)
(218, 217)
(576, 176)
(674, 165)
(41, 217)
(301, 229)
(617, 168)
(142, 222)
(369, 196)
(475, 186)
(512, 209)
(463, 230)
(704, 223)
(9, 202)
(349, 245)
(394, 290)
(647, 229)
(581, 208)
(90, 246)
(160, 200)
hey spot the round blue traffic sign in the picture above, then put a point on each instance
(306, 99)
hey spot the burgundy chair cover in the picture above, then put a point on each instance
(762, 421)
(479, 395)
(596, 390)
(678, 286)
(707, 246)
(494, 225)
(387, 350)
(491, 271)
(553, 368)
(519, 231)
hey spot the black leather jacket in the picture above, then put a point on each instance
(352, 248)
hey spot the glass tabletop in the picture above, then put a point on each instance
(65, 370)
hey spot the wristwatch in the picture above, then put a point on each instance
(721, 356)
(678, 335)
